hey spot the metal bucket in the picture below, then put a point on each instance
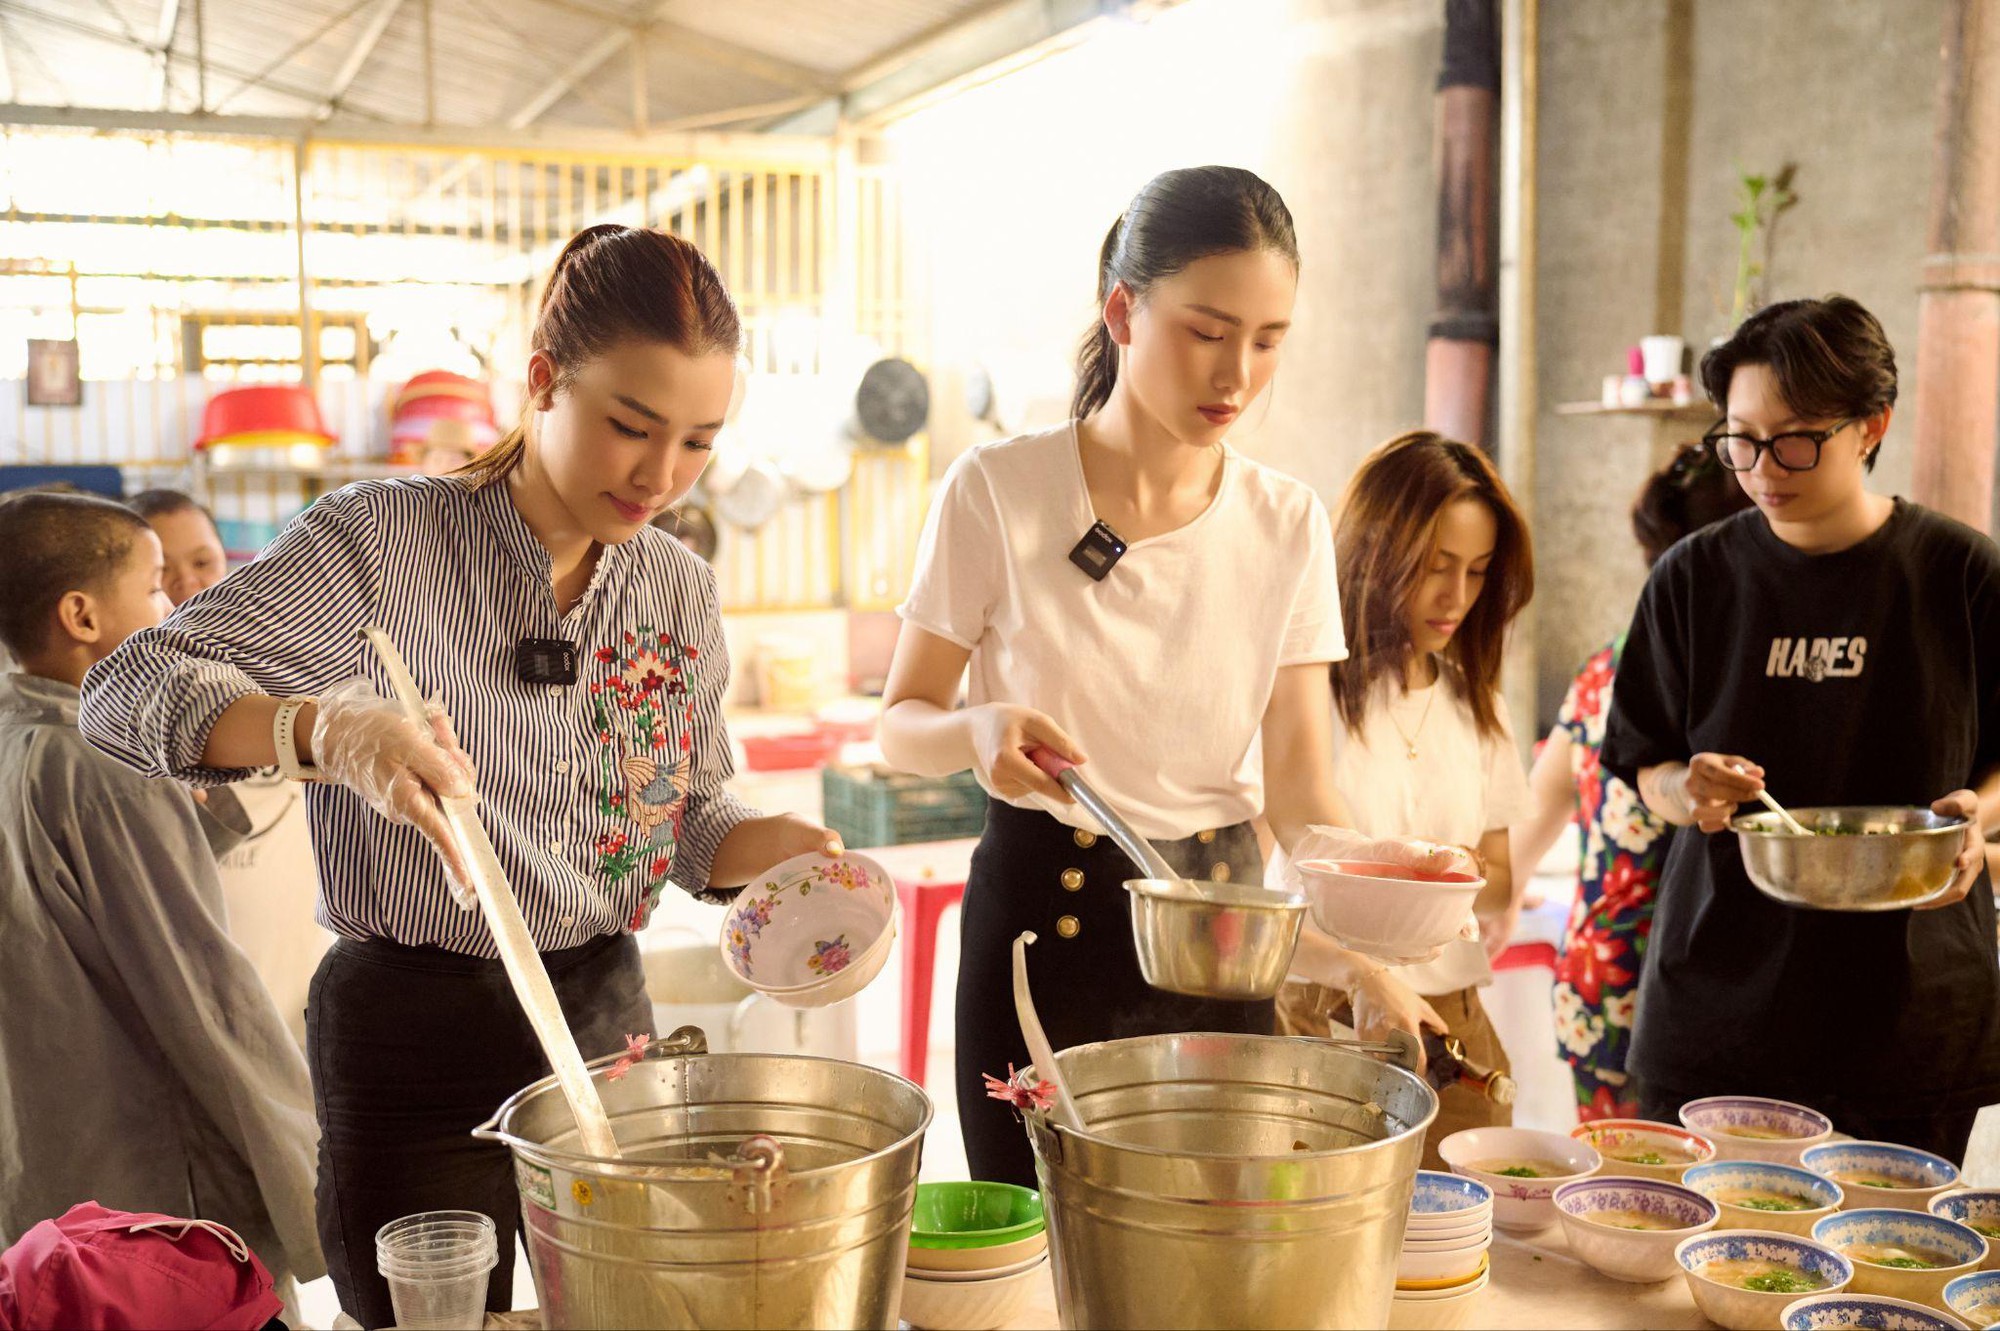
(1229, 1180)
(756, 1190)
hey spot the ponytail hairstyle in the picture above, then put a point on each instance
(611, 283)
(1176, 218)
(1383, 542)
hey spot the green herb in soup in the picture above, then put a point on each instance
(1760, 1274)
(1870, 1179)
(1985, 1231)
(1902, 1259)
(1619, 1218)
(1763, 1199)
(1523, 1168)
(1783, 1282)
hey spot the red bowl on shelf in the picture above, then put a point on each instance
(425, 392)
(263, 415)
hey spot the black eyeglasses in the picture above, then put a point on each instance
(1795, 450)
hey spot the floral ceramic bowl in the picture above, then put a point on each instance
(813, 930)
(1755, 1127)
(1975, 1299)
(1903, 1254)
(1628, 1228)
(1744, 1279)
(1522, 1167)
(1640, 1148)
(1864, 1312)
(1757, 1194)
(1977, 1209)
(1881, 1173)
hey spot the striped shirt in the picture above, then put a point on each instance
(596, 795)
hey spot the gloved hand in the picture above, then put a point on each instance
(364, 741)
(1343, 843)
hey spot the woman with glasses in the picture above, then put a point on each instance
(1843, 647)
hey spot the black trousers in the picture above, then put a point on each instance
(410, 1049)
(1031, 872)
(1942, 1132)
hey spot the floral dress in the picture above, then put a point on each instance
(1624, 846)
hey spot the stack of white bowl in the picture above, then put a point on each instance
(1444, 1262)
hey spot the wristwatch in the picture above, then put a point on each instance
(284, 724)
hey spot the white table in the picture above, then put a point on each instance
(1535, 1284)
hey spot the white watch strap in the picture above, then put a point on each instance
(284, 725)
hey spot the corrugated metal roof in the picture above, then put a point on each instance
(493, 60)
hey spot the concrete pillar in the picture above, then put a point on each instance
(1958, 308)
(1458, 355)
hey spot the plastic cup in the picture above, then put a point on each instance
(437, 1264)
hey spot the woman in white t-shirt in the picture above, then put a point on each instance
(1129, 580)
(1435, 563)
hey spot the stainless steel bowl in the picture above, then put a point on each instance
(1884, 857)
(1214, 940)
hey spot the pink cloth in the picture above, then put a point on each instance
(117, 1270)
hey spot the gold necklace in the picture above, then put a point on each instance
(1410, 741)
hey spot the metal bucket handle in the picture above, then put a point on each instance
(757, 1169)
(686, 1041)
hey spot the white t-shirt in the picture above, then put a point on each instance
(1457, 788)
(1162, 671)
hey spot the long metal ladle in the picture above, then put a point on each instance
(510, 931)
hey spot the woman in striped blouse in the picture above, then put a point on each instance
(600, 782)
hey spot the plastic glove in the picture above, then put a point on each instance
(364, 741)
(1343, 843)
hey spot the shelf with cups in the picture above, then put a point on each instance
(1690, 412)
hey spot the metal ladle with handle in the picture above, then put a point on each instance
(510, 931)
(1200, 938)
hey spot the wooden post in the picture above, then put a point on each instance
(1458, 358)
(1958, 306)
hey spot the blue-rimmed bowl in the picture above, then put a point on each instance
(1978, 1208)
(1642, 1256)
(1960, 1248)
(1838, 1312)
(1974, 1299)
(1738, 1125)
(1917, 1176)
(1449, 1196)
(1721, 1176)
(1740, 1309)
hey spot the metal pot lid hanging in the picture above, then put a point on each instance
(893, 401)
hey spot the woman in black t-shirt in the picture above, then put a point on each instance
(1844, 647)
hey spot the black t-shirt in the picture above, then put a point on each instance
(1866, 676)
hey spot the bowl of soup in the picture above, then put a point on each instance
(1852, 858)
(1882, 1173)
(1754, 1127)
(1388, 910)
(1628, 1228)
(1523, 1167)
(1975, 1299)
(1903, 1254)
(1641, 1148)
(1744, 1279)
(1978, 1209)
(1874, 1312)
(1754, 1194)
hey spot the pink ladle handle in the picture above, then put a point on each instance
(1050, 761)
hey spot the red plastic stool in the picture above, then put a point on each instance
(930, 879)
(1525, 956)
